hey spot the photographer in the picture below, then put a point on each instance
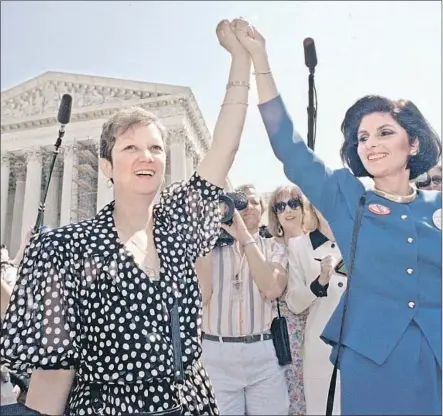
(240, 283)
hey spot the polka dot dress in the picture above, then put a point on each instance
(82, 303)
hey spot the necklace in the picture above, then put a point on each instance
(401, 199)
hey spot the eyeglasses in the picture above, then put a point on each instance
(293, 203)
(436, 180)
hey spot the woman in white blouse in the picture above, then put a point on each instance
(313, 292)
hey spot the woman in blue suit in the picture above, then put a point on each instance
(390, 362)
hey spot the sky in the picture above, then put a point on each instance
(388, 48)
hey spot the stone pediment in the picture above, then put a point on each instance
(35, 103)
(42, 95)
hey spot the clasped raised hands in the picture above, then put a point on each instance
(239, 37)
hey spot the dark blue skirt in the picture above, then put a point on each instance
(407, 383)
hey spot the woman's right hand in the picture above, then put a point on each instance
(250, 38)
(327, 267)
(226, 37)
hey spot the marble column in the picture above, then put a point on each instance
(66, 200)
(52, 210)
(105, 193)
(4, 193)
(178, 158)
(190, 151)
(17, 212)
(32, 189)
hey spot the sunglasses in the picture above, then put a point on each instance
(293, 203)
(436, 180)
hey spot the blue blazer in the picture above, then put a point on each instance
(397, 273)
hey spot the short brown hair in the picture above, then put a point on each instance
(119, 124)
(310, 219)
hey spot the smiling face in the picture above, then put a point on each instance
(138, 160)
(289, 210)
(383, 145)
(252, 214)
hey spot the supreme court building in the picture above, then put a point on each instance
(29, 129)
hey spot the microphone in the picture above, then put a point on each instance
(64, 113)
(63, 117)
(310, 54)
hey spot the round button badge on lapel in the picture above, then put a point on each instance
(436, 218)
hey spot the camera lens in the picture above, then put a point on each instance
(227, 208)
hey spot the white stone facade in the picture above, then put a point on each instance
(77, 189)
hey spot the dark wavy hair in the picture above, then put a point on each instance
(408, 116)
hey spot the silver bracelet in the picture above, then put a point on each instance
(250, 241)
(238, 84)
(235, 102)
(262, 73)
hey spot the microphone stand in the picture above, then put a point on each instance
(312, 112)
(41, 208)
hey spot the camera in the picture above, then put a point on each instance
(229, 202)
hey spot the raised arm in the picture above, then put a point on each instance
(231, 119)
(301, 166)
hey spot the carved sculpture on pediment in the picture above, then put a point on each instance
(93, 97)
(37, 102)
(78, 96)
(51, 97)
(10, 109)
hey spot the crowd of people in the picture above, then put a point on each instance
(142, 310)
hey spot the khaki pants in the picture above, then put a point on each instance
(247, 378)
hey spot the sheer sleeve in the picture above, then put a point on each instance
(41, 328)
(192, 209)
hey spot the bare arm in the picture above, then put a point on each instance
(271, 278)
(49, 390)
(229, 126)
(203, 267)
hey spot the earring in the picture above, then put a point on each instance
(109, 183)
(280, 231)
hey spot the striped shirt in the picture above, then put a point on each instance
(236, 307)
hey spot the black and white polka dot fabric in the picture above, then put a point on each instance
(82, 303)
